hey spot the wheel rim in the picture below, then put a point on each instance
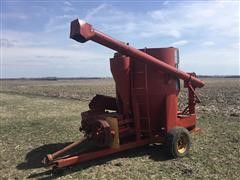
(182, 144)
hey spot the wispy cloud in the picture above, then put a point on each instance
(58, 23)
(67, 3)
(208, 43)
(211, 61)
(26, 39)
(49, 53)
(39, 62)
(197, 25)
(212, 17)
(180, 43)
(68, 7)
(14, 15)
(6, 43)
(94, 11)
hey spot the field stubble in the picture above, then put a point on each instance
(38, 117)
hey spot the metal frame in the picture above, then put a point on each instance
(142, 134)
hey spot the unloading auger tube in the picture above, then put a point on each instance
(82, 32)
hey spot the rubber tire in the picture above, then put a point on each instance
(171, 140)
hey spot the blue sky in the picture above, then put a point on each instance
(35, 36)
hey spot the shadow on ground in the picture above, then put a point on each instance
(33, 159)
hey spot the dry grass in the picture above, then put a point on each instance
(33, 125)
(82, 90)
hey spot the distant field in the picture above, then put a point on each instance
(38, 117)
(71, 89)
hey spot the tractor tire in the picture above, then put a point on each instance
(177, 142)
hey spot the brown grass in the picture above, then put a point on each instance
(33, 125)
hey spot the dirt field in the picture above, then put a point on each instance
(39, 117)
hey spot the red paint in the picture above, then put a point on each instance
(147, 88)
(120, 68)
(83, 32)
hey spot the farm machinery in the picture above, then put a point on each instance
(145, 109)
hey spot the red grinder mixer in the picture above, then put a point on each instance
(145, 109)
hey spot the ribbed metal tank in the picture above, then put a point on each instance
(144, 87)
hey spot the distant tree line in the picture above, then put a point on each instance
(86, 78)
